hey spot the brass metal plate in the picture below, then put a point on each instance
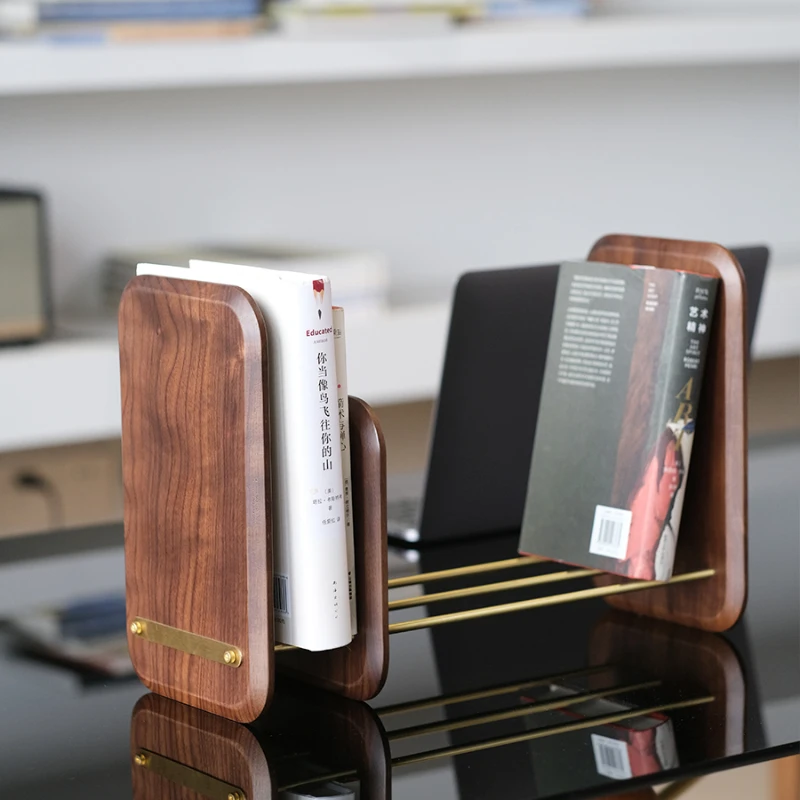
(194, 644)
(188, 777)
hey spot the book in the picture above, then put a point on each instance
(86, 635)
(310, 584)
(339, 344)
(151, 30)
(617, 417)
(110, 10)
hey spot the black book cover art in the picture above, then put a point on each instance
(617, 417)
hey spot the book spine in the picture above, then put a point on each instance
(344, 440)
(688, 340)
(310, 554)
(144, 30)
(93, 10)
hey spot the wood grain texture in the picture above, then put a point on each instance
(682, 657)
(218, 747)
(786, 778)
(713, 530)
(358, 671)
(195, 445)
(305, 733)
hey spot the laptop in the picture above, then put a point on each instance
(489, 401)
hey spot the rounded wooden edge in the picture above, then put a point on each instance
(154, 709)
(369, 423)
(724, 265)
(721, 666)
(261, 659)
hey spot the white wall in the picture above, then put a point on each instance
(442, 174)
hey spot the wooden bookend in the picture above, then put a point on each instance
(178, 751)
(358, 671)
(195, 459)
(713, 531)
(198, 535)
(683, 658)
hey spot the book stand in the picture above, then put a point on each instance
(196, 472)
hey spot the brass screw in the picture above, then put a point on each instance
(137, 629)
(235, 796)
(230, 657)
(140, 759)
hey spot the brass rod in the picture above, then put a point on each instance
(542, 602)
(482, 694)
(678, 789)
(500, 741)
(457, 572)
(513, 713)
(279, 648)
(541, 733)
(488, 588)
(346, 774)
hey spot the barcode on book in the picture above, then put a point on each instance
(611, 757)
(610, 532)
(280, 592)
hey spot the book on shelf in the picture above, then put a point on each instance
(152, 30)
(617, 417)
(340, 348)
(111, 10)
(310, 577)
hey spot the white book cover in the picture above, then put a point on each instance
(340, 347)
(310, 554)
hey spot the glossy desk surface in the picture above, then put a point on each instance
(569, 701)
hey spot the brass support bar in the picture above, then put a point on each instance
(187, 777)
(194, 644)
(488, 588)
(482, 694)
(500, 741)
(607, 719)
(513, 713)
(542, 602)
(457, 572)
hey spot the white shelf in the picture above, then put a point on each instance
(611, 42)
(64, 392)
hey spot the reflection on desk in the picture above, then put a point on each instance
(649, 702)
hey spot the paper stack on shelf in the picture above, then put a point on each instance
(360, 279)
(124, 20)
(371, 18)
(349, 18)
(534, 9)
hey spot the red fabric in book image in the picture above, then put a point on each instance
(651, 505)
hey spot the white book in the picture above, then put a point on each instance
(309, 541)
(340, 346)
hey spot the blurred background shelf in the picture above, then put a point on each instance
(480, 49)
(67, 391)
